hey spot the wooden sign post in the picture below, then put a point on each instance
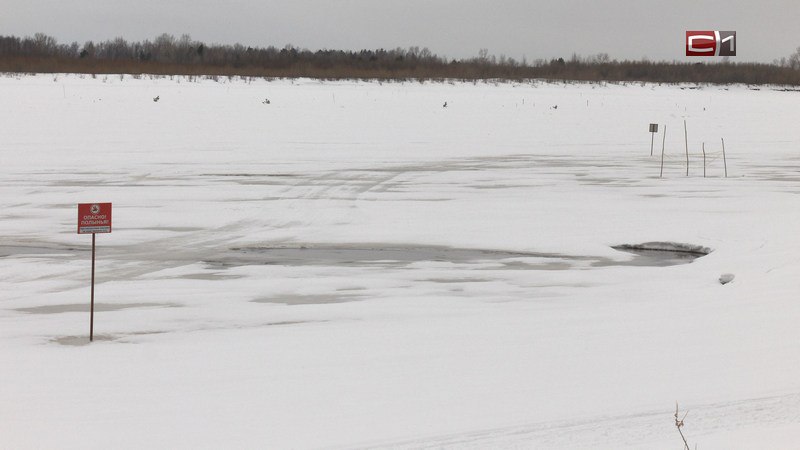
(653, 131)
(93, 218)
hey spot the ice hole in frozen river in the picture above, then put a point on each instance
(663, 253)
(654, 254)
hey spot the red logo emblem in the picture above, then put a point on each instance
(710, 43)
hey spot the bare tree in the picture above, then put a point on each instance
(794, 59)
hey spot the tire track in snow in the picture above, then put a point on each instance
(632, 430)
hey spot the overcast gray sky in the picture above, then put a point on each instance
(631, 29)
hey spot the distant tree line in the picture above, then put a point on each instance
(168, 55)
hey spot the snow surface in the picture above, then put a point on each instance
(199, 345)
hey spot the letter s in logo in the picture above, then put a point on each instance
(701, 43)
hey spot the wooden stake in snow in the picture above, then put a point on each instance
(686, 141)
(704, 159)
(662, 151)
(723, 158)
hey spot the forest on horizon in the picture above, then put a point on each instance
(168, 55)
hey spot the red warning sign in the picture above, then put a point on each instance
(94, 218)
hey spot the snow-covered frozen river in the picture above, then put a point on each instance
(353, 265)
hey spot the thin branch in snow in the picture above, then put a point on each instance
(679, 425)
